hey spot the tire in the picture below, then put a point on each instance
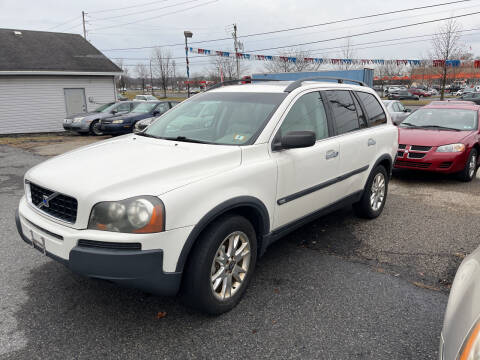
(471, 166)
(372, 202)
(95, 128)
(199, 289)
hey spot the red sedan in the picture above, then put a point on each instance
(441, 138)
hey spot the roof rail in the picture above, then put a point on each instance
(298, 83)
(231, 82)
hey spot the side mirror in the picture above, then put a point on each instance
(407, 110)
(296, 139)
(114, 112)
(156, 113)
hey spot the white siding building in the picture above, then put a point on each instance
(46, 76)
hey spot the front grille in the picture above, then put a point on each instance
(416, 155)
(420, 148)
(61, 206)
(412, 164)
(445, 165)
(109, 245)
(402, 146)
(400, 153)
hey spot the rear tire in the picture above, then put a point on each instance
(95, 128)
(374, 196)
(217, 273)
(471, 167)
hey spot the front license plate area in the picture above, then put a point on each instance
(38, 242)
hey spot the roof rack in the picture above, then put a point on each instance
(231, 82)
(298, 83)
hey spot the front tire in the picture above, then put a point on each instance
(470, 170)
(374, 196)
(221, 265)
(95, 128)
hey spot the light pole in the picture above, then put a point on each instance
(188, 34)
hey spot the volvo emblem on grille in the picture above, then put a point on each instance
(46, 200)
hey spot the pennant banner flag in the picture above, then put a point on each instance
(291, 59)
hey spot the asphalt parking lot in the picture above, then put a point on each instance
(338, 288)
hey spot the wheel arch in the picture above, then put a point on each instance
(386, 161)
(250, 207)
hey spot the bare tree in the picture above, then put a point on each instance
(122, 80)
(162, 61)
(174, 75)
(347, 52)
(283, 64)
(142, 74)
(226, 66)
(446, 45)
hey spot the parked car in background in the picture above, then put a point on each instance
(391, 89)
(471, 96)
(460, 336)
(432, 92)
(121, 97)
(124, 124)
(194, 207)
(145, 98)
(397, 111)
(90, 122)
(419, 92)
(142, 124)
(441, 138)
(402, 95)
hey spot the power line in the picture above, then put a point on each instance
(366, 33)
(297, 28)
(156, 17)
(64, 23)
(129, 7)
(144, 11)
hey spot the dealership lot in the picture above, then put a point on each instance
(341, 287)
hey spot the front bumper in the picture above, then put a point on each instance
(78, 127)
(432, 161)
(109, 128)
(143, 269)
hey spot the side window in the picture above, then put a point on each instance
(307, 114)
(123, 107)
(361, 116)
(344, 110)
(400, 107)
(376, 115)
(395, 107)
(162, 107)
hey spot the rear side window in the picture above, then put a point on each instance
(344, 111)
(376, 115)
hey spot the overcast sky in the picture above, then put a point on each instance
(162, 22)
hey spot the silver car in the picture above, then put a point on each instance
(460, 337)
(397, 111)
(89, 122)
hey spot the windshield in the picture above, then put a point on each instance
(103, 107)
(218, 118)
(456, 119)
(144, 107)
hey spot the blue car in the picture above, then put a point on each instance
(124, 124)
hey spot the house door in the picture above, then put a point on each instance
(75, 101)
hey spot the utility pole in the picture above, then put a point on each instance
(235, 44)
(187, 34)
(83, 22)
(151, 76)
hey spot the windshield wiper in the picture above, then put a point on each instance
(185, 139)
(439, 127)
(408, 124)
(147, 135)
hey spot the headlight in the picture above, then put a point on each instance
(471, 346)
(117, 121)
(141, 214)
(451, 148)
(77, 119)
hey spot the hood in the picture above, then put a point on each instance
(131, 165)
(429, 137)
(132, 116)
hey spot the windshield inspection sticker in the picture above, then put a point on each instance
(239, 137)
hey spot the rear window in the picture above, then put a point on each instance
(376, 115)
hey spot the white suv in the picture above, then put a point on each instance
(188, 205)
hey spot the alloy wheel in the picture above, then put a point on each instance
(377, 193)
(96, 128)
(230, 265)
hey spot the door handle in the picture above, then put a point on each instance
(371, 142)
(331, 154)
